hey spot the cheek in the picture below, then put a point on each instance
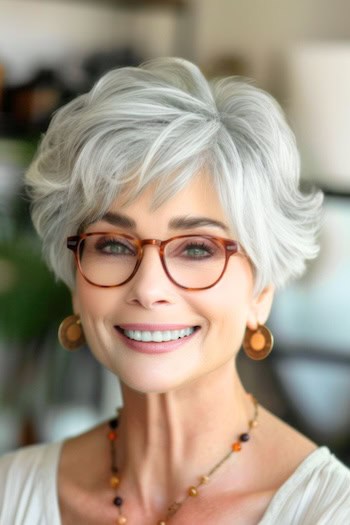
(228, 306)
(95, 305)
(92, 301)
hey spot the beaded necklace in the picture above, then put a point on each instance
(192, 491)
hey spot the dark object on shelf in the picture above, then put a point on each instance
(27, 108)
(177, 4)
(2, 80)
(100, 62)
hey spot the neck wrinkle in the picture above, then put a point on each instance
(168, 440)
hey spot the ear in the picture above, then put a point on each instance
(260, 308)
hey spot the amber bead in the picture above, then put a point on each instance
(174, 507)
(161, 523)
(112, 435)
(114, 481)
(204, 479)
(192, 491)
(236, 447)
(121, 520)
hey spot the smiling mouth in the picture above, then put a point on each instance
(158, 336)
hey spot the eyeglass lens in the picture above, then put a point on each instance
(192, 262)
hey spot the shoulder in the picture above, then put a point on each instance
(317, 492)
(29, 461)
(27, 480)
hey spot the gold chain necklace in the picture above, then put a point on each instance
(192, 491)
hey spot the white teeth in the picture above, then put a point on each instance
(158, 336)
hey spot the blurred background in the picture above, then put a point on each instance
(298, 50)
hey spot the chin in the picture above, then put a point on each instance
(149, 387)
(152, 381)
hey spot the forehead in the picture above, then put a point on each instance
(198, 197)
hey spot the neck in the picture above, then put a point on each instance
(169, 439)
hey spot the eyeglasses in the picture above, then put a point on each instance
(193, 262)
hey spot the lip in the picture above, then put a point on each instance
(153, 347)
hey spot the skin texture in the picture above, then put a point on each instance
(222, 312)
(182, 409)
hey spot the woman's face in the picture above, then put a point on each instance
(150, 301)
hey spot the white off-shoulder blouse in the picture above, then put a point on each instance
(317, 493)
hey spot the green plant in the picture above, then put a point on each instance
(31, 302)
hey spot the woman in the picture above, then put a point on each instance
(179, 200)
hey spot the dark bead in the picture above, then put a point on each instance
(118, 501)
(244, 437)
(114, 469)
(114, 423)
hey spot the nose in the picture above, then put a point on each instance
(150, 287)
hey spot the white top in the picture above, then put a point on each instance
(317, 493)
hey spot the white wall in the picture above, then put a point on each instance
(318, 85)
(43, 31)
(261, 30)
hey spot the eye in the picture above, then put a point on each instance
(113, 245)
(197, 250)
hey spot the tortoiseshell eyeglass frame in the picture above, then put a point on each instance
(231, 248)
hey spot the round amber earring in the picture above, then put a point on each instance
(70, 333)
(257, 344)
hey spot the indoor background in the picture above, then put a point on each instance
(299, 50)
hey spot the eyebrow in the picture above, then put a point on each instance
(177, 223)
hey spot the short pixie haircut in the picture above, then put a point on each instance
(163, 123)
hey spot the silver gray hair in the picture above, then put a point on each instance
(163, 123)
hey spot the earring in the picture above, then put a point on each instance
(257, 344)
(70, 333)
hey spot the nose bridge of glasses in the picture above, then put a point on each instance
(154, 242)
(151, 242)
